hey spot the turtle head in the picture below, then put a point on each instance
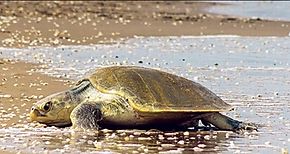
(53, 110)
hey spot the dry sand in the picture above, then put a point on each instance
(25, 24)
(70, 23)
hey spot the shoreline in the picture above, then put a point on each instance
(33, 24)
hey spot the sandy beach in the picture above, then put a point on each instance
(26, 24)
(81, 23)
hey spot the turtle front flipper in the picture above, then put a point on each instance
(226, 123)
(86, 116)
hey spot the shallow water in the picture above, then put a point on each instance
(250, 73)
(273, 10)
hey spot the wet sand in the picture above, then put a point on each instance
(21, 86)
(26, 24)
(249, 73)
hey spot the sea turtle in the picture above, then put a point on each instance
(133, 97)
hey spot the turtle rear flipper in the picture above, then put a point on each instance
(86, 116)
(226, 123)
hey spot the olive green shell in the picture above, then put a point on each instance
(151, 90)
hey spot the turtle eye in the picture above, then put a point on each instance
(47, 106)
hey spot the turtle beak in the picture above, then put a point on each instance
(35, 113)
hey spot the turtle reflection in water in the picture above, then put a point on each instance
(135, 97)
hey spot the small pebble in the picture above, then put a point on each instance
(281, 118)
(170, 134)
(161, 137)
(90, 142)
(197, 149)
(268, 143)
(172, 138)
(180, 142)
(167, 145)
(207, 137)
(227, 135)
(146, 150)
(47, 142)
(201, 145)
(126, 138)
(137, 133)
(144, 138)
